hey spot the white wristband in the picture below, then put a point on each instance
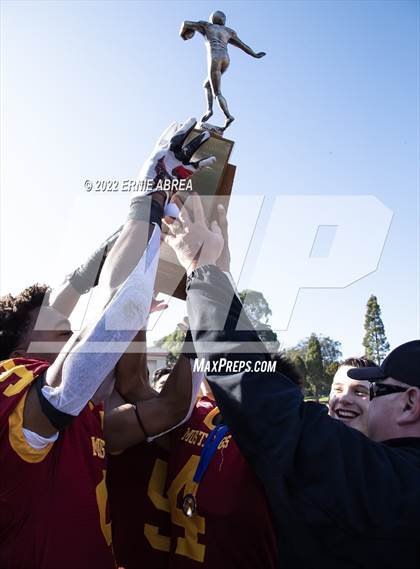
(36, 441)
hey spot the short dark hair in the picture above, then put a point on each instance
(157, 374)
(288, 368)
(15, 315)
(359, 362)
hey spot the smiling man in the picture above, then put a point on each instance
(349, 398)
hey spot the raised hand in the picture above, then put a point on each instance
(170, 159)
(194, 242)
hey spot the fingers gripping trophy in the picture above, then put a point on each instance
(172, 156)
(217, 37)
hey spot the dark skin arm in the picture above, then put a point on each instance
(132, 377)
(33, 416)
(158, 414)
(132, 374)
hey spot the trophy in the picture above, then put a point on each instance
(214, 184)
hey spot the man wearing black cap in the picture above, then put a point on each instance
(340, 500)
(395, 416)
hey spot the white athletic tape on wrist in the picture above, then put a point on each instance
(38, 441)
(197, 378)
(94, 358)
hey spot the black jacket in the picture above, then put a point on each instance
(339, 499)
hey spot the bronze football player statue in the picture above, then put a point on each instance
(217, 37)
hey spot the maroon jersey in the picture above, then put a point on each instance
(232, 526)
(139, 511)
(53, 501)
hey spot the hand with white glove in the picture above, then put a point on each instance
(170, 159)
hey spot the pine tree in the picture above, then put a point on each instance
(375, 342)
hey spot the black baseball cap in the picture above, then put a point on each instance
(402, 364)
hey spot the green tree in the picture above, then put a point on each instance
(315, 368)
(173, 344)
(331, 355)
(375, 342)
(258, 311)
(301, 366)
(256, 306)
(330, 349)
(329, 371)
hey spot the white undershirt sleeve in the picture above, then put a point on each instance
(94, 358)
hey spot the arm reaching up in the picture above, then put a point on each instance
(127, 280)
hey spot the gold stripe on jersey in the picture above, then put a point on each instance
(208, 421)
(17, 439)
(102, 499)
(25, 375)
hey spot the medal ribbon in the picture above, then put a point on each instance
(209, 449)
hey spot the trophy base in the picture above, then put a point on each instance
(213, 129)
(214, 184)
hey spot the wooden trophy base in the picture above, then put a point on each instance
(214, 184)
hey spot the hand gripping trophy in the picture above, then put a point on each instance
(217, 37)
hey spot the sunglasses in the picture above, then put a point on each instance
(379, 389)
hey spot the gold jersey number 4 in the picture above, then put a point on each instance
(188, 545)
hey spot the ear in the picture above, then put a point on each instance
(411, 410)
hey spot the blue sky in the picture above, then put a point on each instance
(332, 110)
